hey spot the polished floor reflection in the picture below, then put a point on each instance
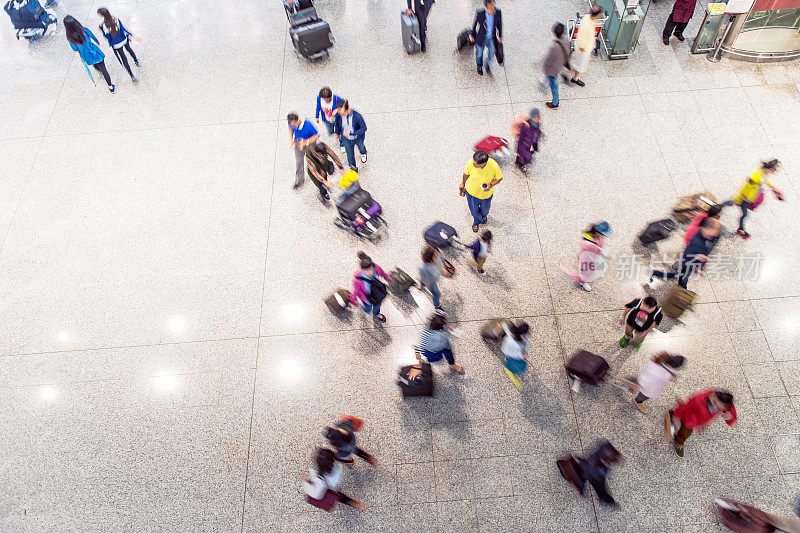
(167, 362)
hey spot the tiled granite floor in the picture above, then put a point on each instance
(167, 362)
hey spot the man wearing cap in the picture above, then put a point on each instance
(481, 174)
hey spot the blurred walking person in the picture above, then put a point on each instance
(434, 344)
(585, 43)
(555, 61)
(368, 289)
(592, 263)
(528, 139)
(487, 33)
(86, 44)
(429, 273)
(321, 482)
(682, 12)
(593, 469)
(420, 8)
(350, 129)
(696, 413)
(303, 133)
(654, 378)
(752, 193)
(119, 39)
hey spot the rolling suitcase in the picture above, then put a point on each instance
(401, 282)
(587, 367)
(338, 301)
(304, 16)
(570, 470)
(462, 41)
(441, 235)
(743, 518)
(678, 301)
(410, 28)
(492, 330)
(657, 231)
(688, 206)
(420, 384)
(313, 39)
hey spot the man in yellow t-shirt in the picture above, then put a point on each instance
(477, 184)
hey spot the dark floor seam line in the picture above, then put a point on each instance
(261, 312)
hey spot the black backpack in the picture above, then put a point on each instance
(377, 290)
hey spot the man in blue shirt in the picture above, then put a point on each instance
(303, 133)
(487, 31)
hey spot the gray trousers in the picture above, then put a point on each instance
(300, 159)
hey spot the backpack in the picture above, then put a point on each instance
(377, 290)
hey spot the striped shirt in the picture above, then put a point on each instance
(433, 341)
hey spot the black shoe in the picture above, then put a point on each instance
(678, 449)
(327, 196)
(666, 40)
(680, 37)
(422, 47)
(483, 221)
(565, 78)
(480, 71)
(475, 228)
(551, 105)
(579, 83)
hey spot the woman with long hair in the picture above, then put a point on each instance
(119, 39)
(85, 44)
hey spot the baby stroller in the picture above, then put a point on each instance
(29, 18)
(359, 213)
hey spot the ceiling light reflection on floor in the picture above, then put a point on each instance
(166, 382)
(293, 312)
(48, 393)
(290, 370)
(63, 336)
(176, 323)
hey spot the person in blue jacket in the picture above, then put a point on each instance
(327, 104)
(85, 43)
(118, 39)
(350, 129)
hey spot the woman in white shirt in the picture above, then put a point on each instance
(654, 378)
(320, 483)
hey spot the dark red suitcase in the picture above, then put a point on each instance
(587, 367)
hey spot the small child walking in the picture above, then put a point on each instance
(480, 251)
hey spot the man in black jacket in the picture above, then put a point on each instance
(487, 32)
(421, 8)
(695, 256)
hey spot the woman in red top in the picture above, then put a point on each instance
(697, 412)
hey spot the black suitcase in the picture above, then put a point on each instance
(587, 367)
(401, 282)
(304, 16)
(350, 206)
(421, 385)
(312, 39)
(462, 41)
(440, 235)
(657, 231)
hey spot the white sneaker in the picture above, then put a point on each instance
(363, 158)
(341, 149)
(586, 287)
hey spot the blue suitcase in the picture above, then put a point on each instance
(441, 235)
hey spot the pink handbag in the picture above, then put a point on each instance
(759, 199)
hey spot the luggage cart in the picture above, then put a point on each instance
(574, 24)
